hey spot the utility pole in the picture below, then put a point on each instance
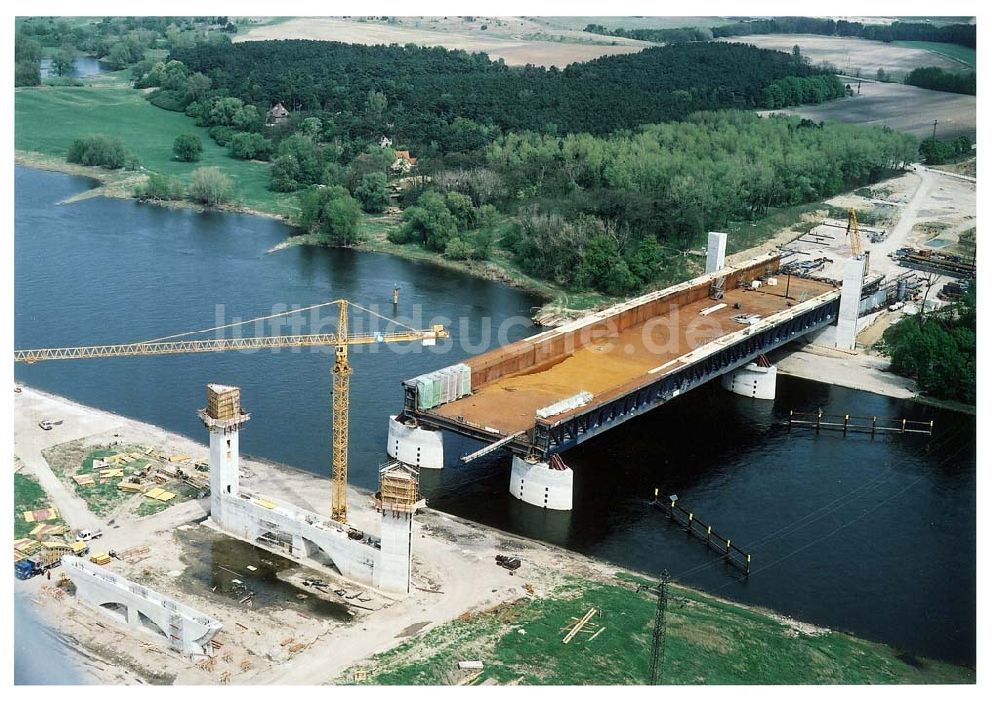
(931, 281)
(934, 135)
(656, 653)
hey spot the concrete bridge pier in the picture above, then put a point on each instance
(752, 381)
(543, 483)
(414, 445)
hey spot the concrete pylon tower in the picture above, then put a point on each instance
(716, 259)
(850, 303)
(224, 418)
(397, 500)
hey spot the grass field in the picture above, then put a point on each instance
(71, 458)
(48, 119)
(28, 496)
(707, 641)
(965, 55)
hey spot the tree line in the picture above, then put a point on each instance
(963, 34)
(956, 33)
(939, 350)
(937, 79)
(935, 151)
(673, 35)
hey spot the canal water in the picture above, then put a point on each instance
(875, 537)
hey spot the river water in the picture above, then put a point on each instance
(875, 537)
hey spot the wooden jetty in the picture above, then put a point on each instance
(873, 425)
(701, 530)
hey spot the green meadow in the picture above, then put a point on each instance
(965, 55)
(49, 118)
(706, 641)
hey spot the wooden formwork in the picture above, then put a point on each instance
(223, 402)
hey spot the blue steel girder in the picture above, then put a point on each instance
(551, 439)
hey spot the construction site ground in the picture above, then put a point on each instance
(923, 208)
(464, 606)
(616, 361)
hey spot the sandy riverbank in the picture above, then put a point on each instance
(454, 573)
(858, 371)
(454, 568)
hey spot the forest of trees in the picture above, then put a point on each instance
(614, 213)
(439, 101)
(937, 79)
(964, 34)
(938, 351)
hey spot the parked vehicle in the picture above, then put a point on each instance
(37, 564)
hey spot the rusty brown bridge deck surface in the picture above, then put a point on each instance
(617, 349)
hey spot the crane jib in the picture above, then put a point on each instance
(216, 345)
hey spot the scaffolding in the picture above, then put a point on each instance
(399, 486)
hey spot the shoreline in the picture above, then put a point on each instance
(452, 583)
(119, 185)
(868, 374)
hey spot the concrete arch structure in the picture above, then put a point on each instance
(177, 626)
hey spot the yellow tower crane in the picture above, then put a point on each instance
(854, 232)
(341, 341)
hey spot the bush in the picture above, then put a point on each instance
(169, 100)
(160, 188)
(209, 186)
(221, 134)
(284, 174)
(27, 73)
(101, 151)
(429, 223)
(332, 211)
(457, 249)
(249, 146)
(187, 148)
(373, 192)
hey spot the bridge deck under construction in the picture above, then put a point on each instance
(619, 350)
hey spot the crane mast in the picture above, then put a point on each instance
(854, 232)
(341, 341)
(340, 419)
